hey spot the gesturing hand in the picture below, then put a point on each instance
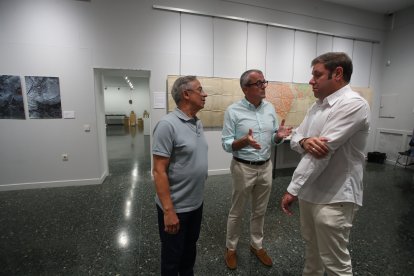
(252, 142)
(283, 131)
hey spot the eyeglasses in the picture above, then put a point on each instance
(199, 90)
(259, 83)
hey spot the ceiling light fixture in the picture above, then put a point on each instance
(129, 83)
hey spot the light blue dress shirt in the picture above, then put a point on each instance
(242, 116)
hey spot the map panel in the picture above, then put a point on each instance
(291, 100)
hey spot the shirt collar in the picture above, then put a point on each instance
(331, 99)
(250, 105)
(180, 114)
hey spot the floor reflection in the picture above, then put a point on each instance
(128, 152)
(111, 229)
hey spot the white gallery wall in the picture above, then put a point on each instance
(49, 38)
(117, 101)
(117, 98)
(394, 131)
(74, 40)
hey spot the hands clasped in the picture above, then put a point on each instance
(316, 146)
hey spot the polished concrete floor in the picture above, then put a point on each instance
(111, 229)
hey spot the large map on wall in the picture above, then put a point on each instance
(291, 100)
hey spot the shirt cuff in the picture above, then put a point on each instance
(293, 189)
(275, 137)
(281, 142)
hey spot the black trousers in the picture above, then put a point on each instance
(178, 251)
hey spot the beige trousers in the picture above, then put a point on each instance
(325, 229)
(254, 182)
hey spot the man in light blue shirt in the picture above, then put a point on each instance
(250, 128)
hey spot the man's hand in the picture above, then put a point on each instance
(316, 146)
(251, 141)
(171, 222)
(283, 131)
(286, 202)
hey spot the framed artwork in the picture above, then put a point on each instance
(43, 97)
(11, 98)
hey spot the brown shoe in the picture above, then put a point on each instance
(261, 254)
(230, 258)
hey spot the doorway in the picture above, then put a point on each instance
(123, 101)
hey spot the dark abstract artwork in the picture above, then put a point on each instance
(43, 97)
(11, 98)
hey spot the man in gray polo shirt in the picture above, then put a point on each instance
(180, 170)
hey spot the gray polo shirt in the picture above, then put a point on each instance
(181, 138)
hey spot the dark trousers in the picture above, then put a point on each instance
(178, 251)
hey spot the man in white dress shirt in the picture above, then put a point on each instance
(328, 179)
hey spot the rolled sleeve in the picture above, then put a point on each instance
(228, 133)
(227, 143)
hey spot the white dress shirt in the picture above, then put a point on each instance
(343, 118)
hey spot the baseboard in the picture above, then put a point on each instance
(54, 184)
(219, 171)
(210, 172)
(392, 163)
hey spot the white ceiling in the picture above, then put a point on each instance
(116, 77)
(377, 6)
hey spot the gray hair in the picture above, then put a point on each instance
(180, 85)
(245, 77)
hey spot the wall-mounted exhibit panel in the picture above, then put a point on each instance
(324, 43)
(362, 61)
(290, 100)
(279, 59)
(226, 47)
(229, 48)
(343, 45)
(305, 49)
(256, 46)
(196, 49)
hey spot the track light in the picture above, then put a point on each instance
(129, 83)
